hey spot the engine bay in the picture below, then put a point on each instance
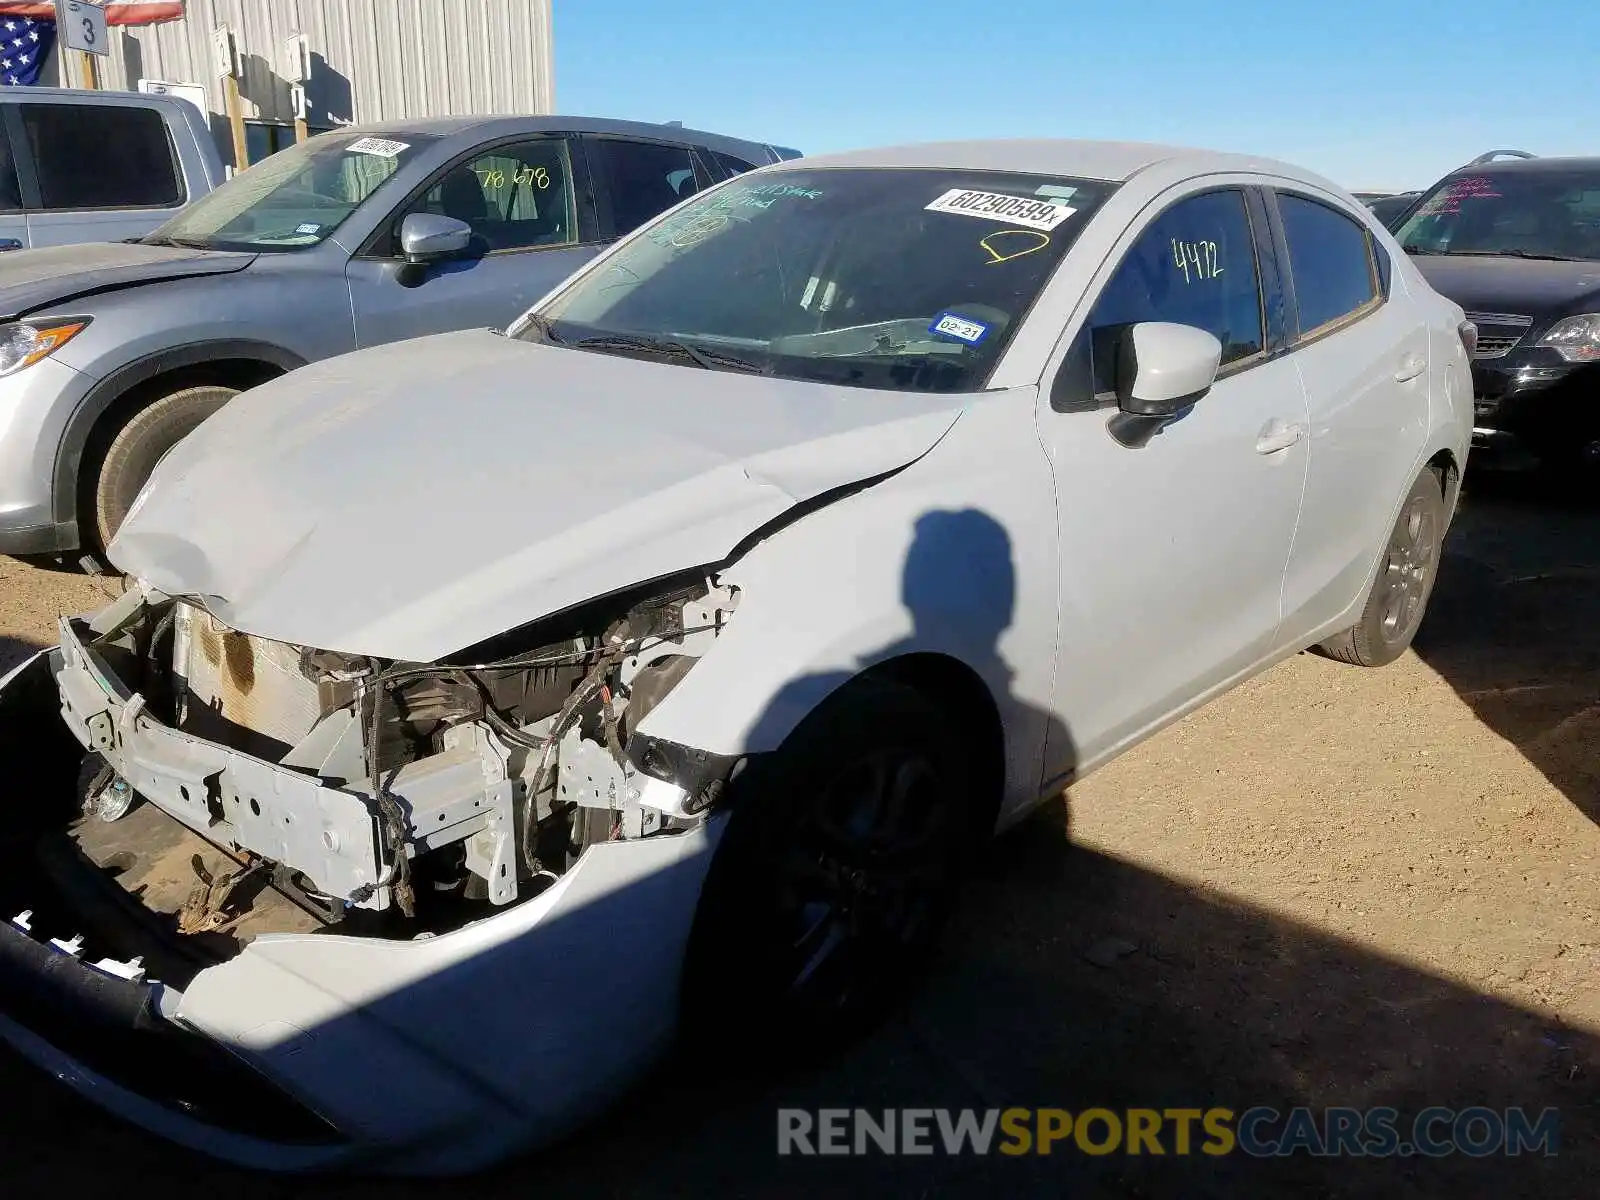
(238, 785)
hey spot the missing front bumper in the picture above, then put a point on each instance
(77, 996)
(284, 815)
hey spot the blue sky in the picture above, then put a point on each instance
(1375, 95)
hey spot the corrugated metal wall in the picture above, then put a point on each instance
(372, 60)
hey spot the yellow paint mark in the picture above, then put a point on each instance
(1036, 241)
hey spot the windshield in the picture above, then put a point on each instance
(294, 198)
(906, 279)
(1521, 213)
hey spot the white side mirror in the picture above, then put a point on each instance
(1163, 368)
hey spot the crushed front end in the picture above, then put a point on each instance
(286, 904)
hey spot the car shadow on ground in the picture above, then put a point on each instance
(1514, 624)
(70, 563)
(1073, 980)
(14, 650)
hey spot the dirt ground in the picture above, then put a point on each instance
(1331, 887)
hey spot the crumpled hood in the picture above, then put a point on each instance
(411, 500)
(32, 278)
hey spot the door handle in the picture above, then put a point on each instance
(1278, 435)
(1410, 367)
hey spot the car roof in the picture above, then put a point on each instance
(479, 126)
(18, 95)
(504, 125)
(1114, 162)
(1534, 166)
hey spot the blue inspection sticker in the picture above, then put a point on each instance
(307, 227)
(962, 329)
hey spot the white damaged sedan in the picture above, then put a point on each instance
(487, 706)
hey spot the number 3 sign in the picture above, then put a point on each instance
(83, 26)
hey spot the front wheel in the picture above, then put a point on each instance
(139, 445)
(1399, 595)
(835, 876)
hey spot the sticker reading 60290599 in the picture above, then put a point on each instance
(997, 206)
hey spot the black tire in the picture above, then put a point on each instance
(1399, 596)
(139, 445)
(793, 879)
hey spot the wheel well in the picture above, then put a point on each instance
(1448, 472)
(959, 691)
(238, 373)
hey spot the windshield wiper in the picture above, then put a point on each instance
(710, 360)
(181, 243)
(1422, 250)
(546, 328)
(1536, 254)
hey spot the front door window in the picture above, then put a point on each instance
(515, 197)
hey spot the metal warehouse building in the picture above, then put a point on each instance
(370, 60)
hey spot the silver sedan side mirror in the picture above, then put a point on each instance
(429, 237)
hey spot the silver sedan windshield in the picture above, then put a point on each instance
(294, 198)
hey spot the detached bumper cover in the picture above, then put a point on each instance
(429, 1056)
(106, 1029)
(106, 1037)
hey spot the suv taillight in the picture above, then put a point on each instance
(1469, 337)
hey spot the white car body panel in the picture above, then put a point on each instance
(1165, 568)
(829, 597)
(1366, 431)
(345, 508)
(602, 947)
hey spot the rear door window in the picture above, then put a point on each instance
(102, 156)
(1330, 260)
(643, 179)
(728, 164)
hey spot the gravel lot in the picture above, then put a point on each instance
(1331, 887)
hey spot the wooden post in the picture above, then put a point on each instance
(86, 70)
(230, 90)
(301, 105)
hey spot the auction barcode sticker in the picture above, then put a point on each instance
(382, 147)
(997, 206)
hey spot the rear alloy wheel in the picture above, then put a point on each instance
(836, 874)
(139, 445)
(1399, 595)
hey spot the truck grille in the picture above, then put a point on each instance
(1499, 333)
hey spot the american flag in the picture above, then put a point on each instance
(24, 45)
